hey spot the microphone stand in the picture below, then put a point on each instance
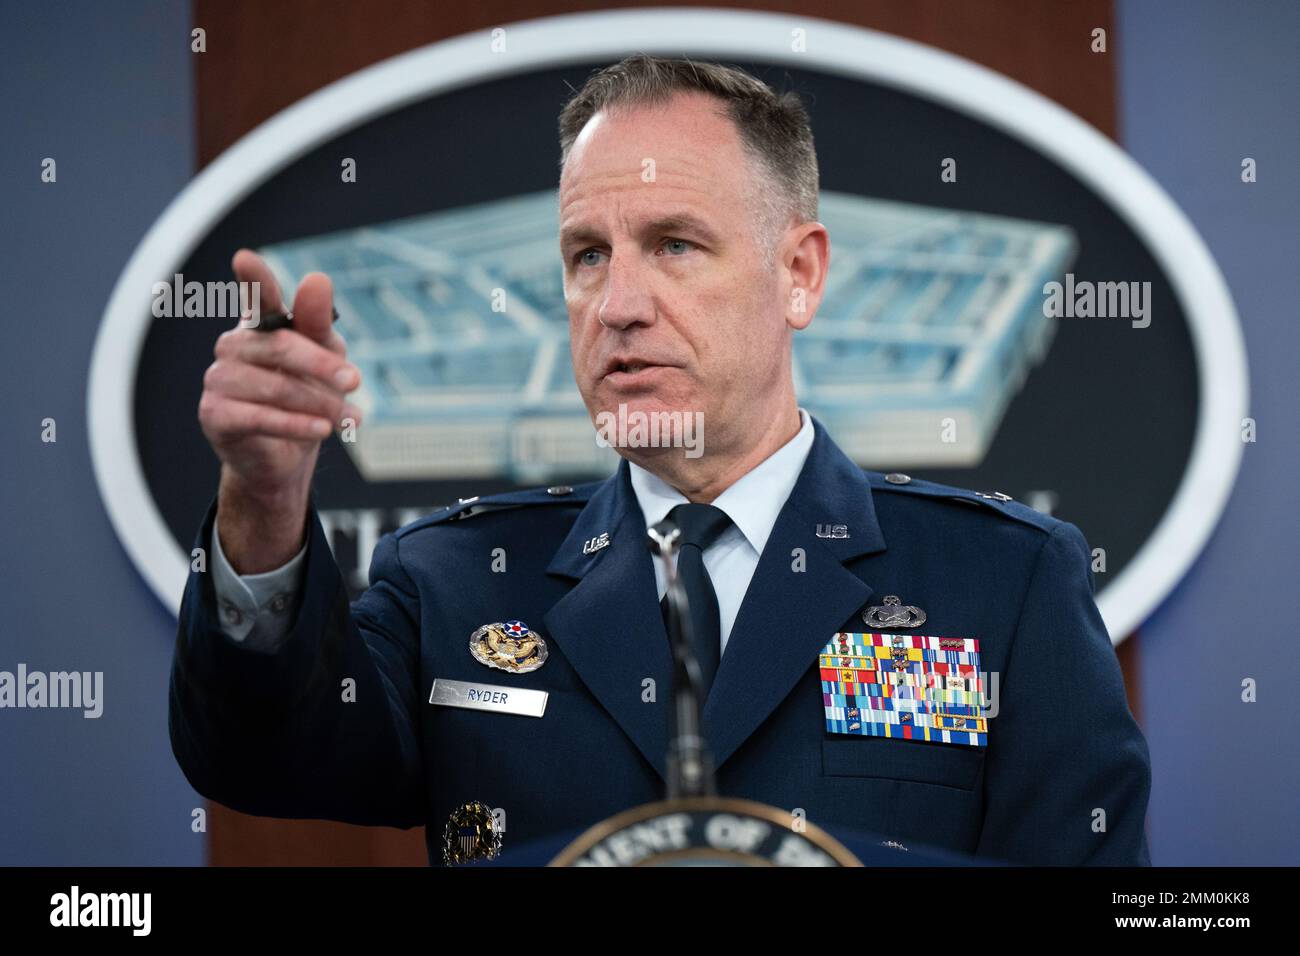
(689, 763)
(693, 826)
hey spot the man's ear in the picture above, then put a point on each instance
(806, 253)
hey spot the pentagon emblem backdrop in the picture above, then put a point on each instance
(1006, 288)
(1017, 303)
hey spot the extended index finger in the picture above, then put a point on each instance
(250, 267)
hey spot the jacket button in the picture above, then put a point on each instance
(559, 490)
(897, 478)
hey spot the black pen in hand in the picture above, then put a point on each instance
(283, 320)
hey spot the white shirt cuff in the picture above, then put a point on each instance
(254, 604)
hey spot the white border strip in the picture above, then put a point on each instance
(832, 47)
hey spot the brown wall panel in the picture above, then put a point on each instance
(236, 839)
(263, 57)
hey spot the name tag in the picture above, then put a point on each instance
(505, 700)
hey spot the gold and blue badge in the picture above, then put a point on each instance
(508, 646)
(904, 686)
(471, 833)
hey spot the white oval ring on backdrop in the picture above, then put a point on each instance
(833, 48)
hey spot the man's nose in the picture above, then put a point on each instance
(627, 300)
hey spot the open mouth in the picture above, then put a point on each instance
(633, 374)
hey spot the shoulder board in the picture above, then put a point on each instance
(994, 501)
(530, 497)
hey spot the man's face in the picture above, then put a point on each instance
(672, 304)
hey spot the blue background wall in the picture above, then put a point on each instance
(107, 91)
(1202, 85)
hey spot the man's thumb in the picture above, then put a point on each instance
(312, 307)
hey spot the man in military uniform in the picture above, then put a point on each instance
(843, 618)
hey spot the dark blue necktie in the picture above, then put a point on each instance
(700, 526)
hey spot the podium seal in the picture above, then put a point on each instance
(704, 831)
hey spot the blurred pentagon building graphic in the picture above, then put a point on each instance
(458, 324)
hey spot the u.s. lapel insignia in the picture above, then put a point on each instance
(893, 613)
(592, 545)
(832, 531)
(906, 687)
(471, 834)
(511, 646)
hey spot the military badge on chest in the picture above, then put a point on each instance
(903, 686)
(471, 834)
(509, 646)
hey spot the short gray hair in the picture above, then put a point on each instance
(773, 127)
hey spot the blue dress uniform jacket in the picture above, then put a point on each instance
(1064, 778)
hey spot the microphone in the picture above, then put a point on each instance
(689, 763)
(694, 826)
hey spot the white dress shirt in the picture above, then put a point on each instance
(254, 609)
(752, 503)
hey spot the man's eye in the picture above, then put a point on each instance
(585, 259)
(677, 247)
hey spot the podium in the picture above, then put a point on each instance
(733, 843)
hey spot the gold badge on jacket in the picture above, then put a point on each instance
(511, 646)
(471, 834)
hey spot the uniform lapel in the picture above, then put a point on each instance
(787, 616)
(609, 624)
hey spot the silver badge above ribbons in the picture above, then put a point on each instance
(893, 613)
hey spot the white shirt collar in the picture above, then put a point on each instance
(752, 502)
